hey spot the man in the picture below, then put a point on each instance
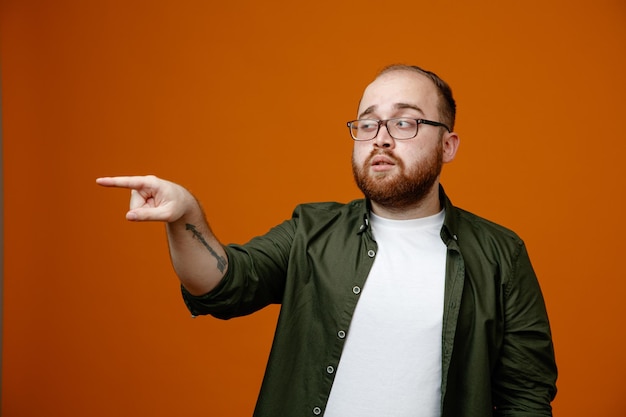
(399, 304)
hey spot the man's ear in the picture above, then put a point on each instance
(450, 142)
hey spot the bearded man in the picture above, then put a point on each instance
(398, 304)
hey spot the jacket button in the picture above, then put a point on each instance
(341, 334)
(356, 289)
(317, 411)
(371, 253)
(330, 369)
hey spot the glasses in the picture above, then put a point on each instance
(399, 128)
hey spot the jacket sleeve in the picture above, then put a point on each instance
(524, 382)
(255, 277)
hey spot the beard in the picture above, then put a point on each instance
(404, 188)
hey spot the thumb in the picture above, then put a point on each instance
(146, 214)
(132, 216)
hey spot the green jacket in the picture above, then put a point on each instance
(497, 357)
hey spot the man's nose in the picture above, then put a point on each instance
(383, 139)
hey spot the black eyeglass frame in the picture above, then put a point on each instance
(384, 122)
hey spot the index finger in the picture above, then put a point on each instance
(132, 182)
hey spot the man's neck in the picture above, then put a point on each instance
(427, 206)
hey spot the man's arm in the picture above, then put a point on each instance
(525, 380)
(197, 256)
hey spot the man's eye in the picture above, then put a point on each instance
(404, 123)
(368, 125)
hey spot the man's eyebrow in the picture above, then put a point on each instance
(397, 106)
(367, 111)
(401, 106)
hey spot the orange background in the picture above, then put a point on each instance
(212, 95)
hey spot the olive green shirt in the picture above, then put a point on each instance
(497, 352)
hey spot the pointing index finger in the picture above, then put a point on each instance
(133, 182)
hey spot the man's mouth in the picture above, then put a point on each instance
(382, 163)
(381, 160)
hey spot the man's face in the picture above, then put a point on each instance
(399, 173)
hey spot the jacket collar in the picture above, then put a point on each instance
(450, 222)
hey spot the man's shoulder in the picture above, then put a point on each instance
(482, 228)
(460, 222)
(325, 212)
(332, 206)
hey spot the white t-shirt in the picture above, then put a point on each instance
(391, 362)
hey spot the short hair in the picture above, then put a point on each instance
(447, 106)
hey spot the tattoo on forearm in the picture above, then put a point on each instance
(221, 261)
